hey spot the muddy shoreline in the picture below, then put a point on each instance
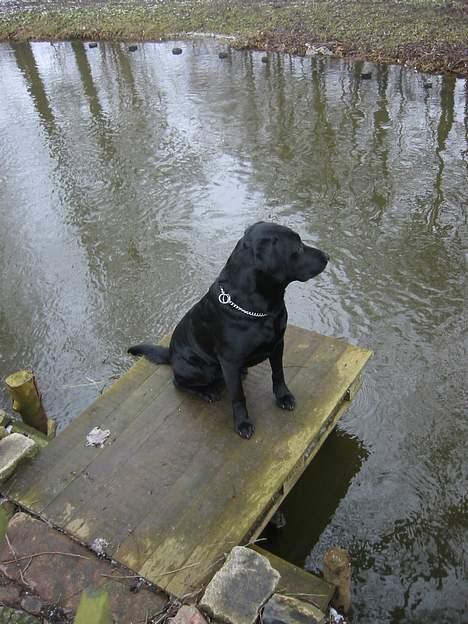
(429, 36)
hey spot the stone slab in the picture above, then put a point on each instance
(240, 588)
(13, 449)
(61, 578)
(282, 609)
(188, 614)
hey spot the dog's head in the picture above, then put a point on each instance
(280, 254)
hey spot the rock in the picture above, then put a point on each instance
(93, 44)
(427, 85)
(132, 48)
(188, 615)
(288, 610)
(265, 59)
(366, 75)
(32, 604)
(223, 55)
(240, 588)
(13, 449)
(176, 50)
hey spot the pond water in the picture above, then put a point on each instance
(125, 180)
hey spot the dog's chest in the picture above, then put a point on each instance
(260, 343)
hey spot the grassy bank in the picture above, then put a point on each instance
(430, 35)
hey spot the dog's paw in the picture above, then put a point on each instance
(245, 429)
(286, 401)
(211, 396)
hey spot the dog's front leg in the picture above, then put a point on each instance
(233, 377)
(284, 398)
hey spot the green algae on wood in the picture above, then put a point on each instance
(94, 608)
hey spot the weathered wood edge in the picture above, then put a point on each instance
(295, 580)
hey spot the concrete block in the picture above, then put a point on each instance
(13, 449)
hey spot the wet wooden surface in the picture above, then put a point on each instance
(174, 486)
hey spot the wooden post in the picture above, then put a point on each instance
(27, 399)
(337, 571)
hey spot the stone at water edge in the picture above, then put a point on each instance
(13, 449)
(288, 610)
(240, 588)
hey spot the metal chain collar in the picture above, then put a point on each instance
(225, 299)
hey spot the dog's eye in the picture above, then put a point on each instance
(295, 255)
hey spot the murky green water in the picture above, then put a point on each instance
(125, 180)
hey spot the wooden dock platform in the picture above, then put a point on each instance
(174, 487)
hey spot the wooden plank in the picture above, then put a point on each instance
(224, 511)
(217, 445)
(73, 493)
(177, 487)
(92, 506)
(262, 488)
(67, 456)
(298, 582)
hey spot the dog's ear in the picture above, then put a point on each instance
(264, 254)
(253, 233)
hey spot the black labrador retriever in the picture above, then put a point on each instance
(241, 320)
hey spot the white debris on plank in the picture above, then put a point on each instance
(335, 617)
(97, 437)
(99, 546)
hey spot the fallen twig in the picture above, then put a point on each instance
(40, 554)
(16, 560)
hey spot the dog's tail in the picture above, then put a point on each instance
(157, 355)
